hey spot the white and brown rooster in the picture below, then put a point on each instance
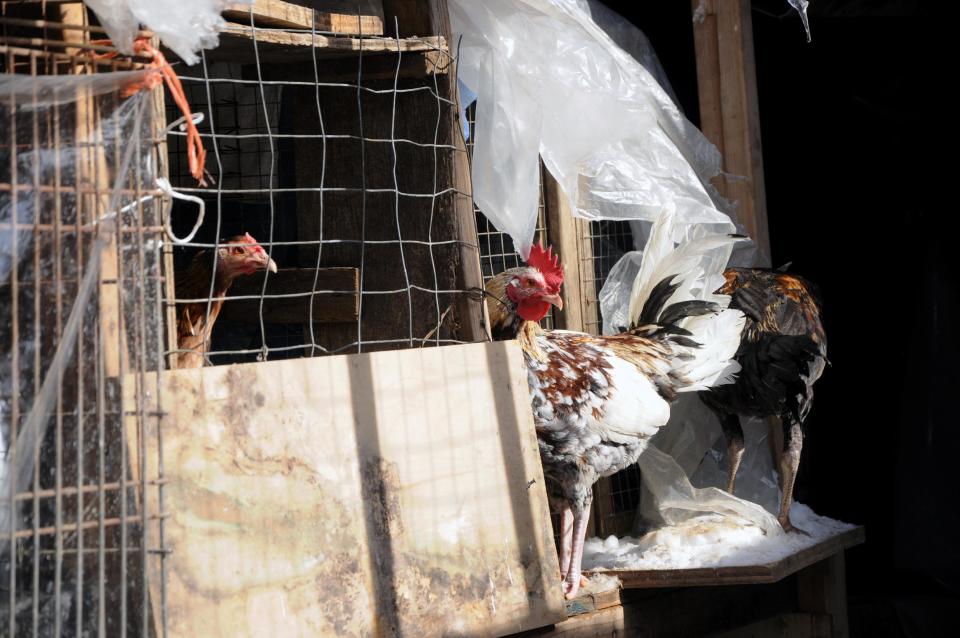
(597, 401)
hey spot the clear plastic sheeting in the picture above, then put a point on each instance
(81, 236)
(185, 26)
(614, 296)
(801, 7)
(552, 83)
(689, 452)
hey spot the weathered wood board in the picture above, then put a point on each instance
(739, 575)
(379, 494)
(322, 16)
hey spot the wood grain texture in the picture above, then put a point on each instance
(729, 108)
(822, 589)
(276, 13)
(562, 229)
(237, 45)
(394, 493)
(748, 574)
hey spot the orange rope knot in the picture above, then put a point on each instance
(160, 71)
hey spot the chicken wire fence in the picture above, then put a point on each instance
(329, 171)
(346, 169)
(80, 297)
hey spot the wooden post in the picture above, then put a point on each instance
(729, 115)
(562, 235)
(822, 589)
(471, 312)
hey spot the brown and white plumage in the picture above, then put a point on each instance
(783, 352)
(597, 401)
(238, 256)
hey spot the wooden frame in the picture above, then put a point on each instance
(729, 110)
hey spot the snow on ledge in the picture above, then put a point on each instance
(709, 541)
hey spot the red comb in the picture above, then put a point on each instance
(247, 238)
(548, 264)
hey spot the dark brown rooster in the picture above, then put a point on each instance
(782, 353)
(597, 401)
(240, 255)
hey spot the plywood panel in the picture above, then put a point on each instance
(740, 574)
(378, 494)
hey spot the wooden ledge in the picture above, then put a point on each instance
(740, 574)
(236, 44)
(275, 13)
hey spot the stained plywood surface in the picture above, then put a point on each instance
(739, 574)
(326, 17)
(378, 494)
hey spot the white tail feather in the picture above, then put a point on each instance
(697, 265)
(712, 363)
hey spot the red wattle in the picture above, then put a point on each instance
(533, 309)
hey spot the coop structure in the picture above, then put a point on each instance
(332, 137)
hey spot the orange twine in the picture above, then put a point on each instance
(159, 71)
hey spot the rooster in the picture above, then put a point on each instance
(783, 352)
(597, 401)
(240, 255)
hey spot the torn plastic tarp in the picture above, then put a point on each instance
(185, 26)
(122, 134)
(552, 83)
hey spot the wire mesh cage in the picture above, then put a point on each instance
(348, 169)
(80, 296)
(337, 168)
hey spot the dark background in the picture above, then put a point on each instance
(853, 140)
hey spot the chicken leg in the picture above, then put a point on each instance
(789, 464)
(733, 433)
(574, 578)
(566, 540)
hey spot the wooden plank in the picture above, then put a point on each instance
(562, 234)
(453, 172)
(748, 574)
(822, 589)
(93, 178)
(327, 307)
(417, 64)
(275, 13)
(730, 118)
(303, 472)
(789, 625)
(684, 611)
(236, 45)
(595, 601)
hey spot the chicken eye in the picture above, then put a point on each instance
(238, 250)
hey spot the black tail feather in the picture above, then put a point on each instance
(681, 310)
(655, 302)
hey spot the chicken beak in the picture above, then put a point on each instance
(271, 265)
(556, 300)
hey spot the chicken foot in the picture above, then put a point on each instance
(789, 464)
(574, 579)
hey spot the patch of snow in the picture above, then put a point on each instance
(597, 583)
(709, 541)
